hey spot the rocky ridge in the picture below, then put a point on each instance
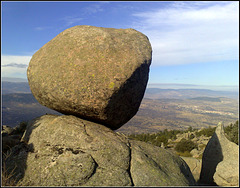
(69, 151)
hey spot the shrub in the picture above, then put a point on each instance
(190, 129)
(185, 145)
(206, 131)
(191, 136)
(231, 132)
(184, 154)
(20, 128)
(7, 177)
(157, 138)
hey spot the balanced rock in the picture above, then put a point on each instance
(95, 73)
(220, 162)
(69, 151)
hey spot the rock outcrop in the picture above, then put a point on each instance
(227, 171)
(194, 165)
(69, 151)
(97, 77)
(6, 130)
(95, 73)
(220, 162)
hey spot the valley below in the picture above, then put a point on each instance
(172, 114)
(160, 109)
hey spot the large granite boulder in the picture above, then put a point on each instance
(69, 151)
(95, 73)
(220, 162)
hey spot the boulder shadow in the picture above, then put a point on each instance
(14, 160)
(212, 155)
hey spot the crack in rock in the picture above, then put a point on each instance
(85, 130)
(94, 170)
(130, 160)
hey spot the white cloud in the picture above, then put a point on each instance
(42, 28)
(14, 66)
(193, 32)
(86, 11)
(93, 8)
(69, 20)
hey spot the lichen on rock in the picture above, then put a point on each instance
(83, 153)
(99, 74)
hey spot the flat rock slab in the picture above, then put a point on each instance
(69, 151)
(95, 73)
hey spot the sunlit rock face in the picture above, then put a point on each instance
(99, 74)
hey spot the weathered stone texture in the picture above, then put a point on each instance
(194, 165)
(99, 74)
(69, 151)
(220, 162)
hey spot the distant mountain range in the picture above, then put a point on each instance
(158, 109)
(18, 107)
(9, 79)
(156, 93)
(152, 93)
(15, 87)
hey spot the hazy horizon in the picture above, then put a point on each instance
(234, 88)
(193, 43)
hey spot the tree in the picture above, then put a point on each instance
(185, 145)
(231, 132)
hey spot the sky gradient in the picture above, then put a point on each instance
(194, 43)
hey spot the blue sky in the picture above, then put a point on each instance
(193, 43)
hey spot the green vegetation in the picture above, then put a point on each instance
(158, 138)
(20, 128)
(190, 129)
(184, 154)
(152, 114)
(7, 177)
(206, 132)
(231, 132)
(185, 145)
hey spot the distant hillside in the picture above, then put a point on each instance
(156, 93)
(9, 79)
(159, 114)
(160, 108)
(206, 99)
(151, 93)
(22, 98)
(19, 107)
(15, 87)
